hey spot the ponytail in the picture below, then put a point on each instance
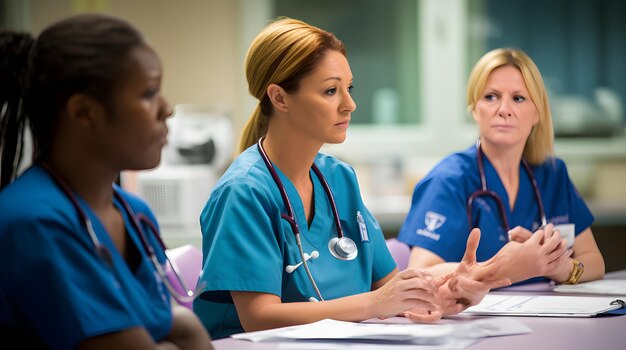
(255, 128)
(284, 52)
(14, 51)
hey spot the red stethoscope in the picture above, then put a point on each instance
(484, 191)
(137, 220)
(341, 247)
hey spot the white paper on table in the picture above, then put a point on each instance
(604, 287)
(543, 305)
(458, 335)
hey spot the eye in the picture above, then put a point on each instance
(150, 93)
(350, 88)
(490, 97)
(519, 98)
(331, 91)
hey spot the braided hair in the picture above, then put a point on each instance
(81, 54)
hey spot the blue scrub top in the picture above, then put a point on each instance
(438, 220)
(55, 291)
(246, 245)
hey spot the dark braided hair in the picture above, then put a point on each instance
(81, 54)
(14, 48)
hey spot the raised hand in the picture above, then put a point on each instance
(469, 283)
(466, 286)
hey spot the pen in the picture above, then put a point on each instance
(362, 227)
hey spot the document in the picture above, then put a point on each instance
(604, 287)
(387, 335)
(545, 305)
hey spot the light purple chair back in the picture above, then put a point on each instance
(399, 251)
(188, 259)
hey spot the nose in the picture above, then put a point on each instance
(347, 103)
(505, 109)
(166, 108)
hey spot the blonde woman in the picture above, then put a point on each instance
(286, 237)
(509, 185)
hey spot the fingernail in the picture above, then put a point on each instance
(406, 315)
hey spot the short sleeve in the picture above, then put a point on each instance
(240, 246)
(437, 220)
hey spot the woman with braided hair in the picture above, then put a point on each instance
(78, 270)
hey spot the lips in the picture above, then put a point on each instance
(500, 126)
(343, 124)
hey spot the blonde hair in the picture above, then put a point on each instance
(540, 143)
(283, 53)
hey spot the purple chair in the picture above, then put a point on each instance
(188, 259)
(399, 251)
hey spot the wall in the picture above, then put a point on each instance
(197, 40)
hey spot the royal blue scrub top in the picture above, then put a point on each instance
(438, 221)
(55, 291)
(246, 245)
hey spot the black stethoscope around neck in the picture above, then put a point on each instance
(484, 191)
(341, 247)
(103, 252)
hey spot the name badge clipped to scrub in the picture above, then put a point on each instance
(362, 227)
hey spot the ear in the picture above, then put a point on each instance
(277, 95)
(84, 109)
(473, 111)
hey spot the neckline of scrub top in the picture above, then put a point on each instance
(494, 182)
(313, 234)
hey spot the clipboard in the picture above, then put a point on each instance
(602, 287)
(545, 305)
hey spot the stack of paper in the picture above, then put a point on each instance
(389, 335)
(545, 305)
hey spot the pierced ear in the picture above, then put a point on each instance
(277, 95)
(83, 109)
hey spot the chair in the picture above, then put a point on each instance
(399, 251)
(188, 259)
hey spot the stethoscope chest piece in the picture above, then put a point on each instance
(343, 248)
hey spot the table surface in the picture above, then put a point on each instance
(602, 332)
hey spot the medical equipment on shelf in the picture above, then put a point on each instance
(484, 191)
(200, 145)
(341, 247)
(137, 220)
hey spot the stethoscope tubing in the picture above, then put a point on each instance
(289, 217)
(336, 245)
(485, 191)
(103, 253)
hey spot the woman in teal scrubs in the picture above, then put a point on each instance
(257, 275)
(76, 273)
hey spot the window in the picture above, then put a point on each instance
(381, 40)
(579, 47)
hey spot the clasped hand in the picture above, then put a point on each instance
(431, 298)
(543, 253)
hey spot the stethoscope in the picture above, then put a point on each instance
(137, 219)
(341, 247)
(484, 191)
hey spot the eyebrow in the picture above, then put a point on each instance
(516, 92)
(335, 78)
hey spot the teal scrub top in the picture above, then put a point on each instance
(246, 245)
(55, 290)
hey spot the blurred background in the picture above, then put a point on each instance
(410, 60)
